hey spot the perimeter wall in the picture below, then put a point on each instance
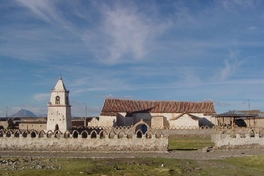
(239, 138)
(121, 139)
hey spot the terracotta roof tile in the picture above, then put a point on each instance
(113, 106)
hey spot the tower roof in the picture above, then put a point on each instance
(60, 85)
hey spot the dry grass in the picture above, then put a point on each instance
(189, 142)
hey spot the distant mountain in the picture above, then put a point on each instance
(23, 113)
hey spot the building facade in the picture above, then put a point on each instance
(241, 118)
(158, 114)
(59, 109)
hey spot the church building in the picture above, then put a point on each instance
(157, 114)
(59, 109)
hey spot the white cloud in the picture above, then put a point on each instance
(122, 34)
(41, 96)
(230, 68)
(252, 28)
(189, 76)
(162, 46)
(226, 71)
(244, 4)
(101, 83)
(220, 103)
(43, 9)
(128, 32)
(125, 34)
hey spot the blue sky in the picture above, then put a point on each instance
(141, 50)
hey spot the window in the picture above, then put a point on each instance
(57, 100)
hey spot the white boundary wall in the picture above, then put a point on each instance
(87, 144)
(239, 138)
(93, 139)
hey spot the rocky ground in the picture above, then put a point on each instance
(26, 163)
(47, 160)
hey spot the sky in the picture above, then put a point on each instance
(170, 50)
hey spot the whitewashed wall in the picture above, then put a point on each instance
(80, 144)
(107, 121)
(183, 121)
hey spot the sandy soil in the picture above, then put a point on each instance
(195, 155)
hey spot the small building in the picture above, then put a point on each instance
(6, 122)
(241, 118)
(93, 122)
(158, 114)
(33, 123)
(83, 122)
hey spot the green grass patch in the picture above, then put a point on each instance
(189, 142)
(135, 166)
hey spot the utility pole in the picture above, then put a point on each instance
(6, 111)
(85, 118)
(85, 110)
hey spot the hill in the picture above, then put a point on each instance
(23, 113)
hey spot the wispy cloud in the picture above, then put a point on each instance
(42, 9)
(140, 49)
(189, 76)
(228, 70)
(125, 33)
(41, 96)
(244, 4)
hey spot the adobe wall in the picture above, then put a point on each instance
(239, 138)
(4, 124)
(226, 141)
(150, 118)
(32, 126)
(188, 130)
(91, 140)
(80, 144)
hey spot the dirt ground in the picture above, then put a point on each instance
(194, 155)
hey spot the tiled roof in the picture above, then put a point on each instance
(242, 113)
(113, 106)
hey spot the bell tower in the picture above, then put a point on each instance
(59, 109)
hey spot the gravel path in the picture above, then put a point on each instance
(195, 155)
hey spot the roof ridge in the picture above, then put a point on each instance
(208, 101)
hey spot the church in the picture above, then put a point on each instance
(59, 109)
(59, 112)
(157, 114)
(118, 112)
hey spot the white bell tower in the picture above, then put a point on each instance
(59, 109)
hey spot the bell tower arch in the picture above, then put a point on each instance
(59, 109)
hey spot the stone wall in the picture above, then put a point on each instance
(239, 138)
(33, 126)
(104, 140)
